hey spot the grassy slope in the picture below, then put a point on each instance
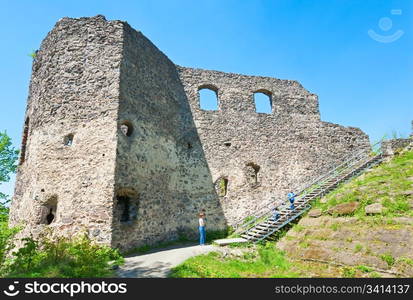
(329, 246)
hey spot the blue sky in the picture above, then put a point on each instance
(324, 44)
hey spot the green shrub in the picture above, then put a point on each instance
(6, 243)
(349, 272)
(364, 269)
(78, 257)
(388, 258)
(358, 248)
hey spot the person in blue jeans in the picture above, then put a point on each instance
(275, 214)
(202, 232)
(291, 198)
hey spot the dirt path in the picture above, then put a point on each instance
(159, 262)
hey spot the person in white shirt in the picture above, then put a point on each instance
(202, 233)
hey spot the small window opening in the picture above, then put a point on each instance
(68, 140)
(252, 173)
(49, 211)
(189, 146)
(263, 102)
(50, 217)
(124, 203)
(208, 99)
(221, 186)
(127, 206)
(24, 141)
(227, 144)
(126, 128)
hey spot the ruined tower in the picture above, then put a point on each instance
(115, 143)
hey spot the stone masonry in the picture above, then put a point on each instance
(115, 143)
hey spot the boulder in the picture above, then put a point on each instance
(315, 213)
(408, 193)
(375, 208)
(344, 208)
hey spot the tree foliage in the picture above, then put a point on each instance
(8, 159)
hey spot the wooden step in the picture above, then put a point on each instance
(247, 237)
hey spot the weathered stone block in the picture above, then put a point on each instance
(344, 208)
(315, 213)
(375, 208)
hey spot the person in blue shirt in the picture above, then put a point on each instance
(291, 198)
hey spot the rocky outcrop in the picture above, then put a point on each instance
(344, 208)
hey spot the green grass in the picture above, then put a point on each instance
(298, 228)
(358, 248)
(335, 226)
(406, 260)
(349, 272)
(384, 184)
(388, 258)
(364, 269)
(268, 261)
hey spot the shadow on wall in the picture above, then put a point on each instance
(162, 176)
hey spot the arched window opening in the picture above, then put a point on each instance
(24, 141)
(251, 172)
(263, 102)
(68, 140)
(221, 186)
(126, 128)
(208, 99)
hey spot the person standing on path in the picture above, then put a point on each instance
(202, 233)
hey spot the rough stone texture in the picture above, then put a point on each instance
(113, 127)
(352, 242)
(375, 208)
(74, 89)
(315, 213)
(290, 146)
(344, 208)
(391, 147)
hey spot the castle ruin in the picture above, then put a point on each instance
(115, 141)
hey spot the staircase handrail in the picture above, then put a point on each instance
(265, 210)
(302, 204)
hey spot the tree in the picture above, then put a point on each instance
(8, 160)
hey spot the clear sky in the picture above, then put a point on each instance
(357, 55)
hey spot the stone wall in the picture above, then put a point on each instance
(162, 163)
(391, 147)
(74, 94)
(289, 146)
(115, 142)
